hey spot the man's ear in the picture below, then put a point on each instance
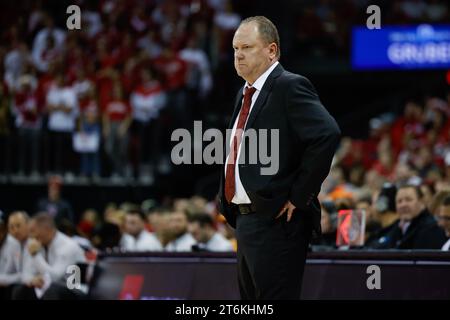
(273, 49)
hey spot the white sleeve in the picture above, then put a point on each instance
(68, 256)
(11, 274)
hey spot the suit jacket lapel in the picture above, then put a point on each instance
(259, 101)
(262, 97)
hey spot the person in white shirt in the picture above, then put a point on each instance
(8, 268)
(62, 107)
(136, 238)
(12, 255)
(201, 226)
(178, 227)
(46, 258)
(443, 218)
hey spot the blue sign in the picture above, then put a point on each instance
(417, 47)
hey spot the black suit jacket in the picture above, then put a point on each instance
(308, 137)
(422, 233)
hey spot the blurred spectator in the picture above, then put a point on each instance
(173, 69)
(107, 235)
(201, 227)
(62, 107)
(15, 63)
(437, 201)
(116, 122)
(158, 219)
(88, 223)
(150, 44)
(199, 81)
(136, 238)
(415, 229)
(70, 230)
(10, 254)
(146, 101)
(372, 223)
(328, 225)
(384, 204)
(444, 220)
(182, 240)
(54, 205)
(29, 124)
(47, 44)
(48, 254)
(88, 136)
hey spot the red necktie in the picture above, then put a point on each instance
(230, 181)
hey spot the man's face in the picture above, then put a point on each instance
(18, 227)
(199, 233)
(41, 233)
(408, 204)
(252, 56)
(443, 218)
(178, 223)
(133, 224)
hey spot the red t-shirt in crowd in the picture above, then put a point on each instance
(117, 110)
(174, 71)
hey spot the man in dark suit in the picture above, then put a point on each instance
(274, 214)
(416, 228)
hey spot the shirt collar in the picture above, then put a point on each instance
(259, 83)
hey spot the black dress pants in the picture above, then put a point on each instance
(271, 255)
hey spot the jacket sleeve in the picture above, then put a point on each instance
(318, 132)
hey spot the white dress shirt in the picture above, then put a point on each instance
(10, 261)
(182, 243)
(218, 243)
(145, 241)
(241, 197)
(446, 246)
(61, 253)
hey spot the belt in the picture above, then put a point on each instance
(246, 208)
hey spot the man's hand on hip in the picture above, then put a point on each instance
(287, 207)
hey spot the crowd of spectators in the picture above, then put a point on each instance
(36, 250)
(102, 100)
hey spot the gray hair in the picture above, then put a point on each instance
(266, 29)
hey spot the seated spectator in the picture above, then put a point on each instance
(88, 223)
(328, 226)
(182, 240)
(9, 261)
(415, 229)
(136, 238)
(201, 227)
(107, 236)
(158, 220)
(443, 218)
(372, 223)
(384, 205)
(54, 205)
(48, 254)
